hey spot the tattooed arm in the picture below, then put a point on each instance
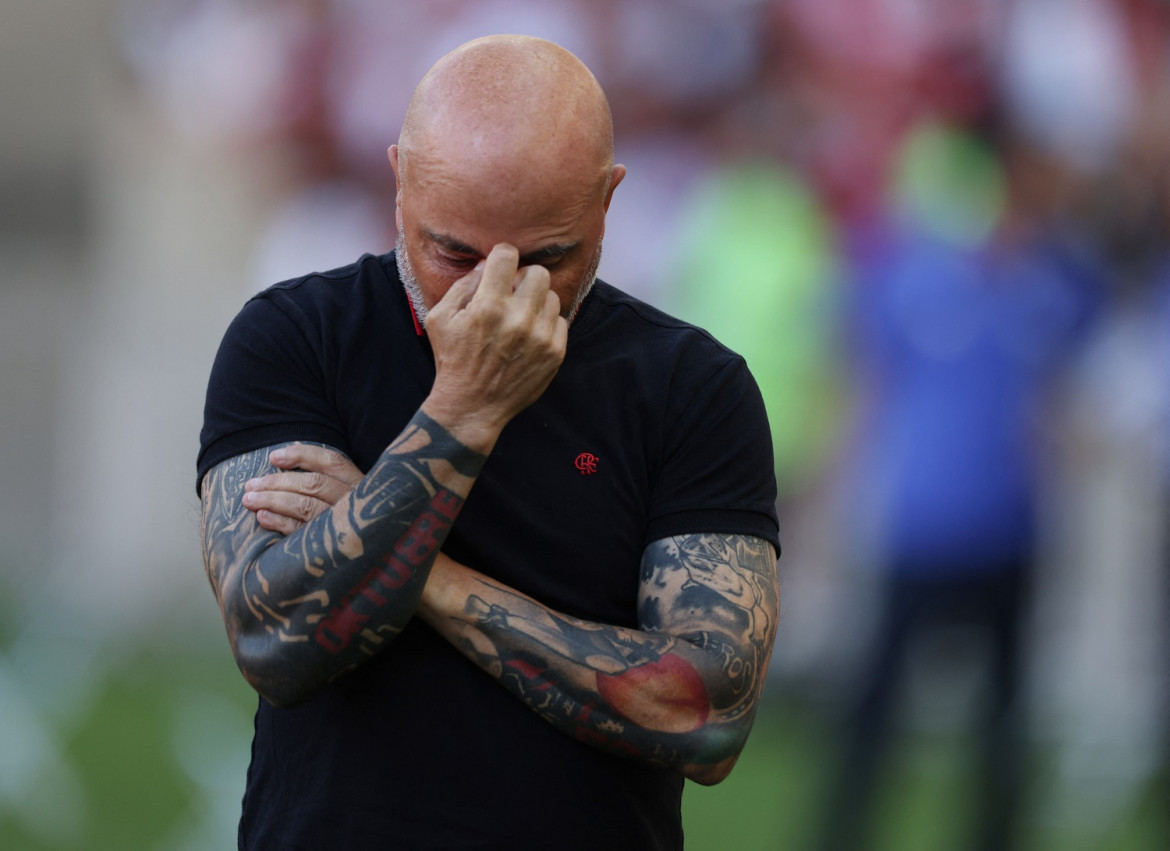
(301, 610)
(679, 691)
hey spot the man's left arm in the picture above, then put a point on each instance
(680, 691)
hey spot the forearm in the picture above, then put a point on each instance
(634, 693)
(304, 608)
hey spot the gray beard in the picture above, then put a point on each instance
(409, 281)
(414, 292)
(586, 284)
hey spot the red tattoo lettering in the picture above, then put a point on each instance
(419, 543)
(394, 575)
(447, 505)
(335, 632)
(414, 549)
(373, 596)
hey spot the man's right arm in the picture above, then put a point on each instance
(301, 610)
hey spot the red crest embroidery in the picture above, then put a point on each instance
(586, 463)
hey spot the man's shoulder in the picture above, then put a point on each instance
(338, 304)
(369, 276)
(641, 325)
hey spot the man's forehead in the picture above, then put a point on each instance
(488, 168)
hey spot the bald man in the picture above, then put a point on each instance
(494, 542)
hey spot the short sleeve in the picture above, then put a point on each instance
(267, 386)
(718, 472)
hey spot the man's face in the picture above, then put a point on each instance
(448, 224)
(419, 302)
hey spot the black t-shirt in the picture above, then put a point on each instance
(650, 429)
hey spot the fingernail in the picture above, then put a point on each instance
(276, 456)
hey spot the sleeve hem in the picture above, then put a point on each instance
(258, 438)
(760, 524)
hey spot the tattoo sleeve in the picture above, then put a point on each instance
(303, 609)
(680, 691)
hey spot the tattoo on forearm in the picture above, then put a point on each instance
(227, 529)
(707, 612)
(348, 581)
(375, 592)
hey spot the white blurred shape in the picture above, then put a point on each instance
(1067, 82)
(322, 227)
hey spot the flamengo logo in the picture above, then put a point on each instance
(586, 463)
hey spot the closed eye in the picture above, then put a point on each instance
(549, 257)
(457, 261)
(548, 263)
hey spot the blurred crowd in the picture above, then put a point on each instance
(940, 234)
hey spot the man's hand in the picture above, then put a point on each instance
(499, 339)
(348, 572)
(313, 478)
(304, 608)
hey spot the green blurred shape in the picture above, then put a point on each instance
(135, 790)
(950, 183)
(756, 266)
(120, 742)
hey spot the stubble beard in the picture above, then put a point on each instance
(587, 282)
(414, 291)
(409, 280)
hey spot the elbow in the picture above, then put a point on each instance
(283, 698)
(710, 774)
(718, 752)
(265, 663)
(279, 693)
(270, 680)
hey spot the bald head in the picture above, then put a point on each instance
(521, 109)
(507, 140)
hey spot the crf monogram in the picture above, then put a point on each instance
(587, 463)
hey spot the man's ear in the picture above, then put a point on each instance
(616, 177)
(392, 154)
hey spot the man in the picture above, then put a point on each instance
(544, 591)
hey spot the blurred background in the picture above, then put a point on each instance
(939, 232)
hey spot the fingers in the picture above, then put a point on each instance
(510, 299)
(496, 354)
(282, 511)
(523, 300)
(503, 279)
(532, 284)
(317, 485)
(461, 292)
(308, 457)
(498, 277)
(312, 479)
(552, 308)
(499, 272)
(277, 522)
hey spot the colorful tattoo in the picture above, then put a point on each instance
(680, 691)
